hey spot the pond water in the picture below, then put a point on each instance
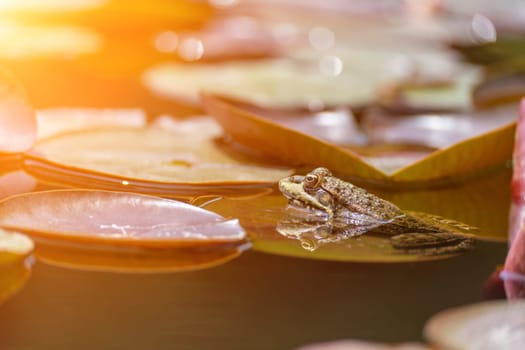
(270, 295)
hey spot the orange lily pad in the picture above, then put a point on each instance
(58, 120)
(179, 159)
(299, 149)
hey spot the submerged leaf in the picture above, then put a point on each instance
(117, 218)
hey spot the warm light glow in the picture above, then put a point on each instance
(50, 5)
(19, 40)
(167, 41)
(223, 3)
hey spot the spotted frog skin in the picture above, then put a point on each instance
(350, 210)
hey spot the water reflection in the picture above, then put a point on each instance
(93, 257)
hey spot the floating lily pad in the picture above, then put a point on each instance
(352, 344)
(15, 266)
(58, 120)
(305, 78)
(488, 325)
(177, 160)
(296, 148)
(117, 218)
(262, 216)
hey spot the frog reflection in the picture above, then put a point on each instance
(323, 209)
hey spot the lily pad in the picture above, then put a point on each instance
(15, 262)
(117, 218)
(353, 344)
(488, 325)
(177, 160)
(58, 120)
(261, 217)
(296, 148)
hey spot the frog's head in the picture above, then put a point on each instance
(305, 192)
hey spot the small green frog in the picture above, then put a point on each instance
(346, 210)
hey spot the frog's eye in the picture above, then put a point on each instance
(312, 181)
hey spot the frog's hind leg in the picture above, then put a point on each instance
(437, 243)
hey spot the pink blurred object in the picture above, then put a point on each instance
(513, 272)
(17, 118)
(117, 218)
(16, 182)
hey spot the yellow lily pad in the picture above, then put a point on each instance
(295, 148)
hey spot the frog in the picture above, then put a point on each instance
(343, 209)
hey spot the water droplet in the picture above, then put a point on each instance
(331, 65)
(191, 49)
(483, 29)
